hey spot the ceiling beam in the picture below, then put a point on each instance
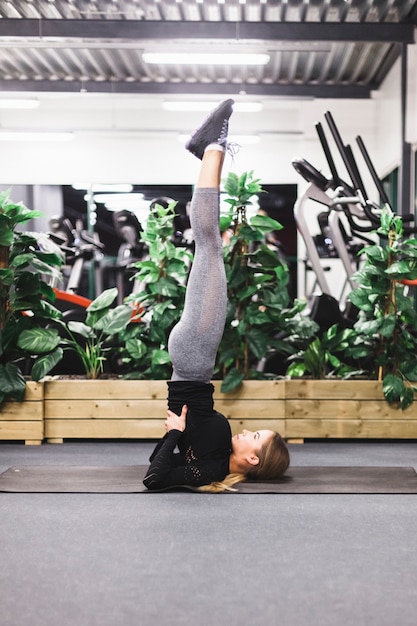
(163, 29)
(291, 91)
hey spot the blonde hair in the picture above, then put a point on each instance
(274, 459)
(223, 485)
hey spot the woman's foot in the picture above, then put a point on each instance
(213, 130)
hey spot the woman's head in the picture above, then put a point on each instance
(274, 459)
(261, 455)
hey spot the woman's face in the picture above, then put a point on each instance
(250, 442)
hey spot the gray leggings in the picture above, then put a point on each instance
(193, 342)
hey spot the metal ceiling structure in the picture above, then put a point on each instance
(317, 48)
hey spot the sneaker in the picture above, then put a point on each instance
(213, 129)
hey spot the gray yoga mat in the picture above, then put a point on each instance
(128, 479)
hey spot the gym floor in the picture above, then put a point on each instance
(182, 558)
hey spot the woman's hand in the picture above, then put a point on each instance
(176, 422)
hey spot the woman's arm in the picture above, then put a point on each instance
(161, 461)
(158, 473)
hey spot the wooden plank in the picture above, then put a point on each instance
(154, 389)
(253, 390)
(245, 409)
(106, 389)
(21, 430)
(139, 428)
(258, 424)
(104, 429)
(28, 411)
(334, 389)
(339, 409)
(105, 409)
(351, 429)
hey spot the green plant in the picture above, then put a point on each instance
(161, 299)
(96, 338)
(261, 320)
(27, 346)
(323, 356)
(386, 331)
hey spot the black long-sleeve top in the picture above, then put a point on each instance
(204, 446)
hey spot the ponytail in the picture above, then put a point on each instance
(223, 485)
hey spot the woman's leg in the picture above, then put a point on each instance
(194, 340)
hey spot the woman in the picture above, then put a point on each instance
(209, 457)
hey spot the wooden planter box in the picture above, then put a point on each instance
(346, 409)
(126, 409)
(24, 420)
(137, 409)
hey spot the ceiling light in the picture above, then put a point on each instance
(122, 188)
(18, 103)
(134, 202)
(177, 105)
(6, 135)
(187, 58)
(118, 201)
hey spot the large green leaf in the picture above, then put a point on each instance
(376, 253)
(12, 382)
(231, 381)
(19, 213)
(397, 269)
(6, 237)
(360, 298)
(136, 348)
(6, 277)
(79, 328)
(296, 370)
(38, 340)
(44, 364)
(104, 300)
(264, 223)
(407, 398)
(393, 387)
(387, 326)
(266, 257)
(257, 342)
(115, 320)
(21, 259)
(160, 357)
(166, 287)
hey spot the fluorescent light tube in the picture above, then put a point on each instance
(117, 201)
(98, 188)
(187, 58)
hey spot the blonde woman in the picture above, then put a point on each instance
(208, 457)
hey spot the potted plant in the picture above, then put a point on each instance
(134, 405)
(162, 276)
(386, 331)
(28, 349)
(380, 351)
(262, 323)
